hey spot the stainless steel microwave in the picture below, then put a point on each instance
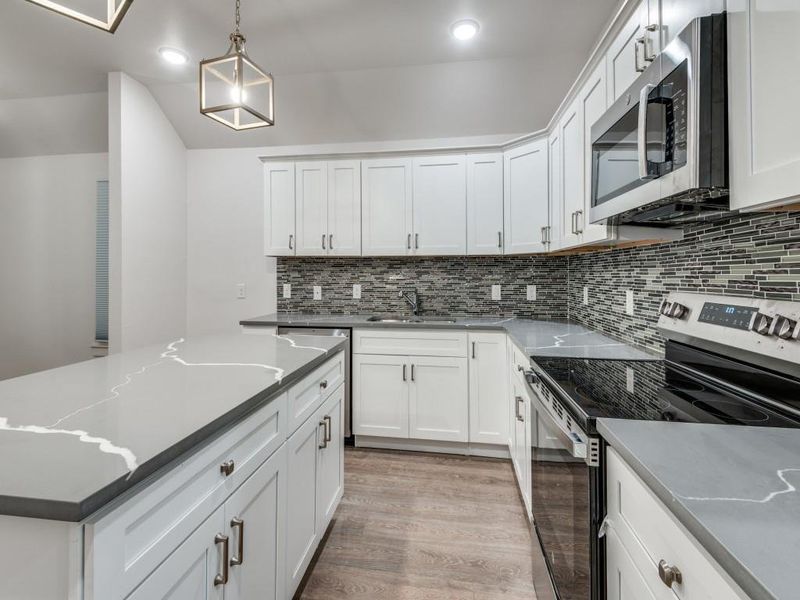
(660, 152)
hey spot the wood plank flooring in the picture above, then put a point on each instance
(418, 526)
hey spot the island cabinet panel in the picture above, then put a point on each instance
(306, 396)
(330, 486)
(128, 543)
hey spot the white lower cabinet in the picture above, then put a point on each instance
(488, 385)
(330, 469)
(521, 439)
(438, 398)
(380, 395)
(623, 580)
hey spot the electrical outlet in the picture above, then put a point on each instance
(241, 291)
(531, 293)
(629, 302)
(317, 292)
(629, 379)
(357, 291)
(496, 292)
(287, 291)
(586, 295)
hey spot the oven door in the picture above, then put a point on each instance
(565, 506)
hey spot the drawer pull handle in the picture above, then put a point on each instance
(669, 574)
(328, 428)
(324, 442)
(237, 523)
(323, 384)
(222, 578)
(404, 373)
(517, 400)
(227, 467)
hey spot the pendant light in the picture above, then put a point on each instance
(234, 90)
(115, 11)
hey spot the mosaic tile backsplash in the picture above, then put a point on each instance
(748, 255)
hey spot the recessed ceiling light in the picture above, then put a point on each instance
(173, 56)
(464, 30)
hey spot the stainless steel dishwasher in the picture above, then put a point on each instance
(348, 402)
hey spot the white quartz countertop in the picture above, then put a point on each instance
(534, 337)
(74, 438)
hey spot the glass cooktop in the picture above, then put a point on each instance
(655, 390)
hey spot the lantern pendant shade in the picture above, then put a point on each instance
(103, 14)
(235, 91)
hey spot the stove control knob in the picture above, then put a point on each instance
(762, 324)
(785, 328)
(664, 308)
(677, 311)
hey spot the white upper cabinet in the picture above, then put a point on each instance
(279, 232)
(311, 197)
(571, 132)
(386, 199)
(626, 59)
(677, 14)
(593, 104)
(554, 230)
(526, 198)
(485, 204)
(344, 208)
(763, 46)
(440, 205)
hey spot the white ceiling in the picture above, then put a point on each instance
(346, 70)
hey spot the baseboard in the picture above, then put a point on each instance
(462, 448)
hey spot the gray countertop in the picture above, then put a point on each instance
(734, 488)
(535, 338)
(74, 438)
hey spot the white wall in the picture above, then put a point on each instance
(226, 240)
(47, 232)
(147, 174)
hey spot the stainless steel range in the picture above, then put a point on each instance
(732, 361)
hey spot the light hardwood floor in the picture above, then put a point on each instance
(425, 527)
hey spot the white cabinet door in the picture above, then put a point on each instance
(555, 200)
(522, 445)
(623, 580)
(255, 518)
(593, 104)
(312, 208)
(440, 205)
(189, 572)
(571, 133)
(386, 199)
(301, 520)
(279, 232)
(330, 468)
(380, 395)
(677, 14)
(526, 202)
(485, 204)
(438, 399)
(488, 388)
(344, 208)
(625, 57)
(763, 46)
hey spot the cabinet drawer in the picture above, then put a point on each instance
(126, 544)
(651, 533)
(309, 393)
(417, 342)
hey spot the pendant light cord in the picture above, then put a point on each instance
(238, 14)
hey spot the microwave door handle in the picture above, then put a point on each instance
(644, 95)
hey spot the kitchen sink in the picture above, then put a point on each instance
(408, 319)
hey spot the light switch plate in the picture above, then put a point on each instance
(586, 295)
(241, 291)
(287, 290)
(629, 384)
(629, 302)
(496, 293)
(357, 291)
(531, 293)
(317, 292)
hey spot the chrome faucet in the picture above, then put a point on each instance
(412, 298)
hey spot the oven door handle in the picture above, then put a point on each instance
(641, 131)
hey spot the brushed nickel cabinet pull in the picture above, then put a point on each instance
(291, 241)
(330, 241)
(323, 384)
(669, 574)
(499, 239)
(227, 467)
(328, 428)
(473, 349)
(416, 241)
(412, 372)
(578, 221)
(238, 559)
(518, 399)
(323, 241)
(404, 373)
(639, 42)
(324, 442)
(409, 241)
(222, 578)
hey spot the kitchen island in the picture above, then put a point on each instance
(111, 466)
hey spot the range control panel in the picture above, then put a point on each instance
(754, 329)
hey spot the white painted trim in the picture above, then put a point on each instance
(462, 448)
